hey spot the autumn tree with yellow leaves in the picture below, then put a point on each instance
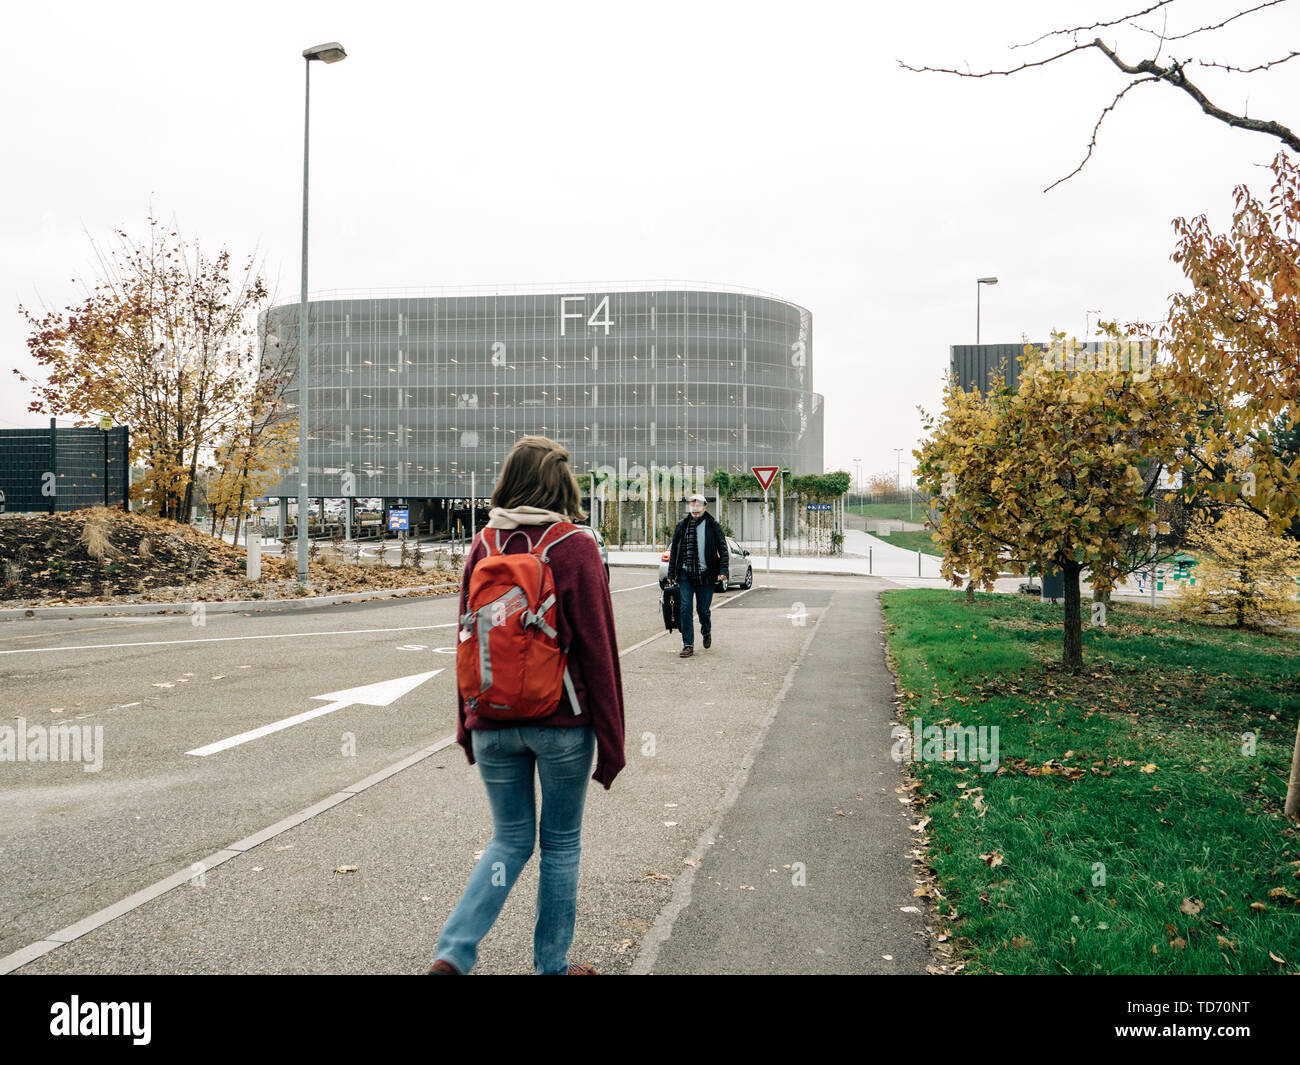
(955, 467)
(1234, 344)
(1059, 474)
(1245, 574)
(166, 342)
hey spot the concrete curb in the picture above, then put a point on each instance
(225, 606)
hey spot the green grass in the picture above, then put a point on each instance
(887, 511)
(1017, 861)
(919, 540)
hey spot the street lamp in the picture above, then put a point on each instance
(980, 281)
(331, 52)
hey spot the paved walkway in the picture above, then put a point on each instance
(808, 870)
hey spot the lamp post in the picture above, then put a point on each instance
(980, 281)
(330, 52)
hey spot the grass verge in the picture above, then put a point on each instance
(1132, 824)
(888, 511)
(915, 541)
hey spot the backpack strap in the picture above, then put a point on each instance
(573, 695)
(544, 547)
(538, 618)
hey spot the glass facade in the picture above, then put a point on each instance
(408, 396)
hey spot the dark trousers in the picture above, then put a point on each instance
(701, 591)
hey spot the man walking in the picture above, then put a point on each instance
(699, 558)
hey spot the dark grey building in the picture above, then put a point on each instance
(973, 363)
(409, 395)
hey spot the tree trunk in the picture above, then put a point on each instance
(239, 513)
(1292, 807)
(1072, 655)
(970, 590)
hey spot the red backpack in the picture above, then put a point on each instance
(509, 664)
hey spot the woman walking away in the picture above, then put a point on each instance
(538, 686)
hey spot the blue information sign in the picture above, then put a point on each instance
(397, 520)
(819, 506)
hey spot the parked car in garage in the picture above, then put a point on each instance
(737, 564)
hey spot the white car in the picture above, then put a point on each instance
(600, 542)
(737, 563)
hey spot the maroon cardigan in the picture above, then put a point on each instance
(582, 594)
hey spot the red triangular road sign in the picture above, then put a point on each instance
(765, 474)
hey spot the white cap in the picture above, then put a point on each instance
(692, 499)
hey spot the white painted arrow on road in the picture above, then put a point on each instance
(379, 694)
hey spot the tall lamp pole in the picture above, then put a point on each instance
(980, 281)
(330, 52)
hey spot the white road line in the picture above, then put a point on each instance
(266, 730)
(615, 591)
(271, 636)
(227, 639)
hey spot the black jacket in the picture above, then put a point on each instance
(716, 560)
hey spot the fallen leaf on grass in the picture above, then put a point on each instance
(1258, 907)
(993, 859)
(1191, 907)
(1150, 767)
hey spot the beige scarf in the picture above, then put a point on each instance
(501, 518)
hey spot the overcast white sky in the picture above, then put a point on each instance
(772, 146)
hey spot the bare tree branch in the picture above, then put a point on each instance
(1174, 73)
(1095, 25)
(1175, 76)
(1100, 119)
(990, 73)
(1220, 25)
(1249, 70)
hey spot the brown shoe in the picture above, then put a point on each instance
(581, 969)
(708, 640)
(686, 652)
(442, 968)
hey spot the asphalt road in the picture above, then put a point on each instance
(755, 828)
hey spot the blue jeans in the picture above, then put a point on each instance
(703, 594)
(505, 759)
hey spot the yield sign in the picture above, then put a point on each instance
(765, 475)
